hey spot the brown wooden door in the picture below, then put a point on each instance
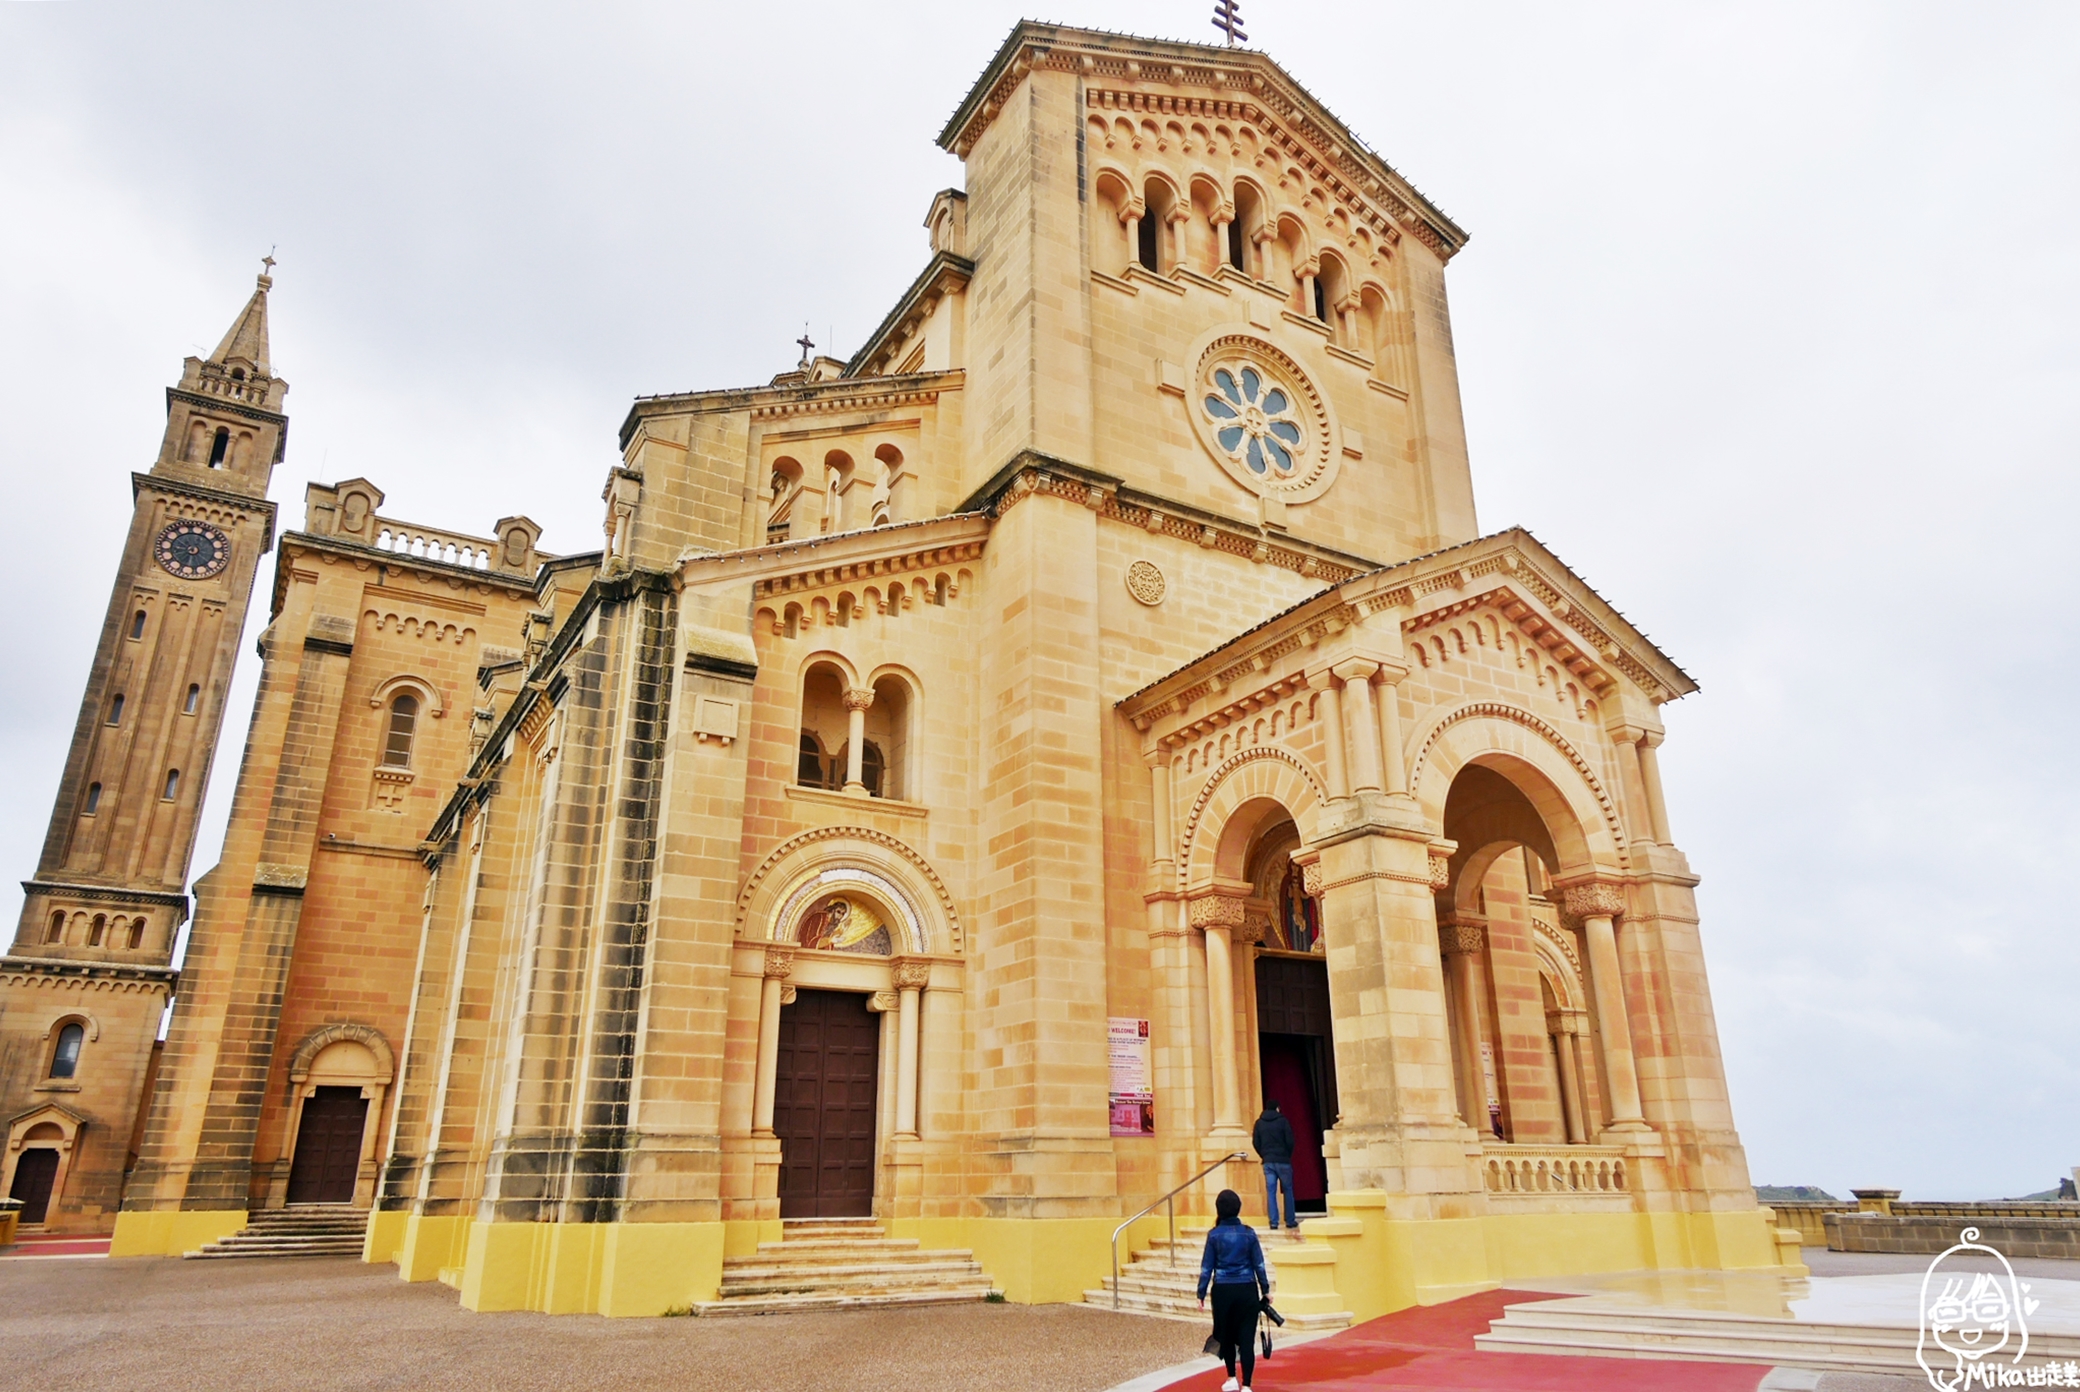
(328, 1146)
(823, 1105)
(33, 1175)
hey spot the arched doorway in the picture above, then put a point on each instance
(1296, 1054)
(340, 1074)
(1514, 994)
(36, 1173)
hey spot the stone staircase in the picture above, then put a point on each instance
(1152, 1285)
(300, 1230)
(843, 1264)
(1607, 1328)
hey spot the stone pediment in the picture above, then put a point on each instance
(1414, 615)
(1205, 81)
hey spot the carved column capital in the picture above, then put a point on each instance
(911, 973)
(1256, 927)
(1311, 878)
(779, 961)
(857, 699)
(1594, 899)
(1462, 937)
(1356, 669)
(1440, 869)
(881, 1002)
(1215, 911)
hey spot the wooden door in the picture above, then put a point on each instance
(824, 1105)
(328, 1147)
(33, 1175)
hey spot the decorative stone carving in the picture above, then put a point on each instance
(1145, 582)
(912, 973)
(881, 1002)
(780, 962)
(858, 700)
(787, 994)
(1462, 939)
(1440, 870)
(1256, 927)
(1593, 900)
(1215, 911)
(1311, 878)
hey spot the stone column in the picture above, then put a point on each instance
(856, 705)
(1630, 774)
(1462, 941)
(1158, 763)
(1179, 216)
(1596, 905)
(779, 966)
(1650, 774)
(1219, 219)
(1263, 237)
(1393, 765)
(1305, 272)
(911, 975)
(1325, 682)
(1218, 917)
(1363, 761)
(1563, 1026)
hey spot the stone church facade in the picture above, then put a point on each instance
(971, 779)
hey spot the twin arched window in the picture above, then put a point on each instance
(397, 736)
(832, 716)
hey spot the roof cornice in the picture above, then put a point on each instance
(1236, 74)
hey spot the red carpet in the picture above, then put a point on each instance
(1432, 1347)
(55, 1245)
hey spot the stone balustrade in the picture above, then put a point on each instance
(1568, 1169)
(434, 544)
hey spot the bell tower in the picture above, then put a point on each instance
(110, 884)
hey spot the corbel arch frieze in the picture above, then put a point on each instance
(1262, 773)
(787, 863)
(1579, 811)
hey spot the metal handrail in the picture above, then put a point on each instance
(1171, 1200)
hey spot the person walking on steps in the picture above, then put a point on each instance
(1272, 1137)
(1233, 1265)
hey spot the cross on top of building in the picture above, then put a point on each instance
(806, 344)
(1227, 17)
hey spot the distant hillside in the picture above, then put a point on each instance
(1793, 1193)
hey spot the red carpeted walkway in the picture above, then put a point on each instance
(1431, 1347)
(55, 1245)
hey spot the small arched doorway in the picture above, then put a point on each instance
(339, 1089)
(1296, 1054)
(36, 1173)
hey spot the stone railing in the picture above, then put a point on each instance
(250, 389)
(1563, 1169)
(432, 544)
(1808, 1217)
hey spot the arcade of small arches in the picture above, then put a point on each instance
(839, 494)
(1161, 225)
(82, 928)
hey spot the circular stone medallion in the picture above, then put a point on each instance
(1145, 582)
(1261, 416)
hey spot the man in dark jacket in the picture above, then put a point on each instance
(1273, 1138)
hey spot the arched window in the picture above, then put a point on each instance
(885, 756)
(219, 447)
(873, 768)
(115, 710)
(824, 724)
(136, 934)
(194, 699)
(98, 931)
(1321, 300)
(137, 625)
(56, 932)
(173, 784)
(1146, 240)
(65, 1057)
(93, 798)
(397, 740)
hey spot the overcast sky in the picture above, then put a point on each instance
(1767, 327)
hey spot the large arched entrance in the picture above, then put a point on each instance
(1295, 1050)
(1515, 995)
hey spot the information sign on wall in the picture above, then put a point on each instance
(1133, 1080)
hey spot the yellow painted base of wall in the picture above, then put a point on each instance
(740, 1236)
(614, 1269)
(425, 1245)
(1384, 1265)
(170, 1232)
(383, 1239)
(1036, 1261)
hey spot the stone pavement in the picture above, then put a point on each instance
(144, 1324)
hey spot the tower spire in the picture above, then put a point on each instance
(247, 336)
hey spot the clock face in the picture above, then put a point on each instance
(192, 550)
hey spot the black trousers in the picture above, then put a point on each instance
(1235, 1325)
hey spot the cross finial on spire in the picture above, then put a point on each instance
(268, 262)
(806, 344)
(1227, 17)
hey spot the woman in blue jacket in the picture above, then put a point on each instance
(1234, 1266)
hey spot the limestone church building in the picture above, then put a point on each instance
(968, 781)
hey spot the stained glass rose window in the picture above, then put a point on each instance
(1254, 421)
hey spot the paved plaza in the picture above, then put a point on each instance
(145, 1324)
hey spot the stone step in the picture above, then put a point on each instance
(877, 1247)
(868, 1282)
(782, 1304)
(301, 1249)
(847, 1261)
(747, 1269)
(1722, 1336)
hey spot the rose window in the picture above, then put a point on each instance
(1255, 422)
